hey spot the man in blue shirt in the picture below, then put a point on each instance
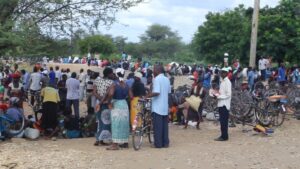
(160, 107)
(52, 77)
(281, 75)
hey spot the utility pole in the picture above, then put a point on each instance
(252, 61)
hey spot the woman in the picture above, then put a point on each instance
(193, 106)
(15, 88)
(120, 113)
(103, 89)
(136, 92)
(50, 99)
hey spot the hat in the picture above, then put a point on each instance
(224, 69)
(138, 75)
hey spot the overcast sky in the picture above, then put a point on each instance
(183, 16)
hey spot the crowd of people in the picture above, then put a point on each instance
(113, 97)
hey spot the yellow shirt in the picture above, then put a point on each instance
(50, 95)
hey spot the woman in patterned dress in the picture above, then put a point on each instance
(103, 91)
(120, 113)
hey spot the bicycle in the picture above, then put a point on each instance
(142, 125)
(10, 127)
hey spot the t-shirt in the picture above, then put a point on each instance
(58, 74)
(72, 89)
(161, 85)
(50, 95)
(262, 64)
(35, 81)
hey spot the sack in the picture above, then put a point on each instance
(211, 116)
(194, 102)
(31, 133)
(73, 134)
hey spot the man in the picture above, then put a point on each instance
(52, 81)
(35, 86)
(224, 99)
(72, 85)
(25, 79)
(262, 66)
(81, 78)
(57, 74)
(281, 74)
(160, 107)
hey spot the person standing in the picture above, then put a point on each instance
(50, 104)
(224, 99)
(82, 77)
(262, 66)
(57, 74)
(103, 90)
(25, 79)
(160, 107)
(120, 113)
(281, 75)
(35, 86)
(72, 85)
(52, 81)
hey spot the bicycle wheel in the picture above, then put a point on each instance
(150, 132)
(263, 116)
(278, 118)
(137, 132)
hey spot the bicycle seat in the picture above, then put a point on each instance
(277, 98)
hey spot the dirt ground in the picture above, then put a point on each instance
(190, 148)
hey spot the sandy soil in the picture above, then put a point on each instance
(189, 148)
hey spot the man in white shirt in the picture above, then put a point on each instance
(35, 83)
(262, 66)
(72, 85)
(160, 107)
(224, 100)
(81, 79)
(57, 74)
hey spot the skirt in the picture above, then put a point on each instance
(120, 122)
(104, 124)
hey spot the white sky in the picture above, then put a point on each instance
(183, 16)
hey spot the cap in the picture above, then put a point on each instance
(138, 75)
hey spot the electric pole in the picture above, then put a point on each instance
(255, 18)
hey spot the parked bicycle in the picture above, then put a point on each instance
(142, 126)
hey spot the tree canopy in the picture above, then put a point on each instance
(229, 32)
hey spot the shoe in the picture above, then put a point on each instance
(220, 139)
(125, 145)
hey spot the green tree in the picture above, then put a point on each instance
(278, 34)
(160, 41)
(223, 33)
(96, 44)
(56, 17)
